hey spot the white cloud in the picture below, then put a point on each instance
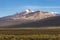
(41, 7)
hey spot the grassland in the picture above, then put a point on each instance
(29, 33)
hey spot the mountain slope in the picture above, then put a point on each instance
(48, 22)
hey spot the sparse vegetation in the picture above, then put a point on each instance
(29, 34)
(29, 37)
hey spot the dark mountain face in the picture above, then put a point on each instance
(57, 14)
(48, 22)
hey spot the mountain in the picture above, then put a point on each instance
(29, 15)
(24, 17)
(47, 22)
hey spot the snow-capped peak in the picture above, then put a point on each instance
(28, 11)
(54, 13)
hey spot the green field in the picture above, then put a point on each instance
(29, 33)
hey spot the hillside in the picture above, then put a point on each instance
(48, 22)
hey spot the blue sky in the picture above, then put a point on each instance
(9, 7)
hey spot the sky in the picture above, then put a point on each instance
(10, 7)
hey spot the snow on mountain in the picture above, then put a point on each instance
(30, 15)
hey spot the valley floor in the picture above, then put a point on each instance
(50, 33)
